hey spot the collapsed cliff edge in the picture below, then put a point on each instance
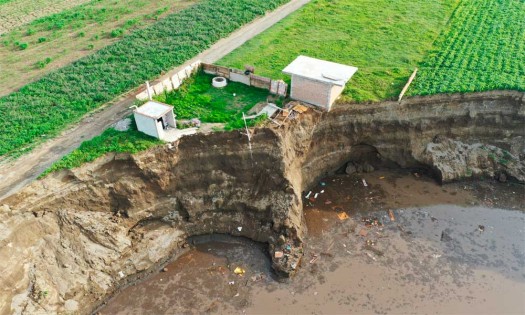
(71, 240)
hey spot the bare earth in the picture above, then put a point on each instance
(20, 12)
(433, 258)
(16, 174)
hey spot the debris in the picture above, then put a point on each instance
(314, 259)
(391, 215)
(315, 196)
(328, 202)
(165, 269)
(322, 191)
(121, 274)
(370, 242)
(308, 195)
(293, 265)
(236, 295)
(239, 228)
(363, 232)
(315, 293)
(433, 219)
(323, 184)
(436, 255)
(239, 271)
(364, 183)
(349, 252)
(312, 199)
(231, 282)
(288, 247)
(371, 221)
(342, 216)
(371, 256)
(417, 175)
(382, 177)
(278, 254)
(481, 228)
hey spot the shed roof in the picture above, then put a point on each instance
(320, 70)
(153, 109)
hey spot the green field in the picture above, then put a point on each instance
(130, 141)
(197, 98)
(385, 39)
(42, 109)
(482, 49)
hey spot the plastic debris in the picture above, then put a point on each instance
(436, 255)
(293, 265)
(328, 202)
(313, 260)
(364, 183)
(239, 271)
(236, 295)
(417, 175)
(370, 242)
(342, 216)
(278, 254)
(382, 177)
(308, 195)
(323, 184)
(121, 274)
(369, 222)
(481, 228)
(231, 282)
(371, 256)
(391, 215)
(322, 191)
(315, 196)
(239, 228)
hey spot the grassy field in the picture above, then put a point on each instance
(385, 39)
(43, 108)
(482, 49)
(197, 98)
(111, 140)
(30, 51)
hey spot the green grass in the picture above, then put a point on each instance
(111, 140)
(4, 1)
(385, 39)
(482, 49)
(45, 107)
(198, 98)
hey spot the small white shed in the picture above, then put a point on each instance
(318, 82)
(154, 118)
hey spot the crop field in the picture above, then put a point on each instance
(43, 108)
(482, 49)
(197, 98)
(385, 39)
(29, 51)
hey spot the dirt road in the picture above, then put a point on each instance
(16, 174)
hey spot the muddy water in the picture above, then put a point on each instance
(458, 248)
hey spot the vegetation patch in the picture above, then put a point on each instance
(111, 140)
(385, 39)
(48, 105)
(482, 49)
(197, 98)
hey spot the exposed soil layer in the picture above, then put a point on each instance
(401, 266)
(71, 240)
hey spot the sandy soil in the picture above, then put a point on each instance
(433, 258)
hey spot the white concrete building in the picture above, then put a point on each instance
(154, 118)
(318, 82)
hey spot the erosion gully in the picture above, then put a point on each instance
(455, 248)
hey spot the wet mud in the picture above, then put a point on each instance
(400, 244)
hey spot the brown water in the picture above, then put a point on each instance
(433, 259)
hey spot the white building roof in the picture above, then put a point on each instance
(153, 109)
(320, 70)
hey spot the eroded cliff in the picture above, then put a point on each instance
(72, 239)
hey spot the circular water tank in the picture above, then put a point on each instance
(219, 82)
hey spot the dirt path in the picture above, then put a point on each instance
(16, 174)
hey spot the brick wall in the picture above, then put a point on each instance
(309, 91)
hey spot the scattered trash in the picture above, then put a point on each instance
(342, 216)
(288, 247)
(363, 232)
(382, 177)
(278, 254)
(231, 282)
(371, 256)
(239, 228)
(165, 269)
(236, 295)
(481, 228)
(121, 274)
(257, 278)
(369, 222)
(391, 215)
(293, 265)
(315, 196)
(436, 255)
(314, 259)
(323, 184)
(322, 191)
(239, 271)
(308, 195)
(328, 202)
(344, 245)
(315, 293)
(364, 183)
(417, 175)
(312, 199)
(370, 242)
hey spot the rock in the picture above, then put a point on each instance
(350, 168)
(71, 306)
(359, 168)
(367, 168)
(502, 177)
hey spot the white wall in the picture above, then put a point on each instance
(146, 125)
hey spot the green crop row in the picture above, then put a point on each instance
(483, 48)
(47, 106)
